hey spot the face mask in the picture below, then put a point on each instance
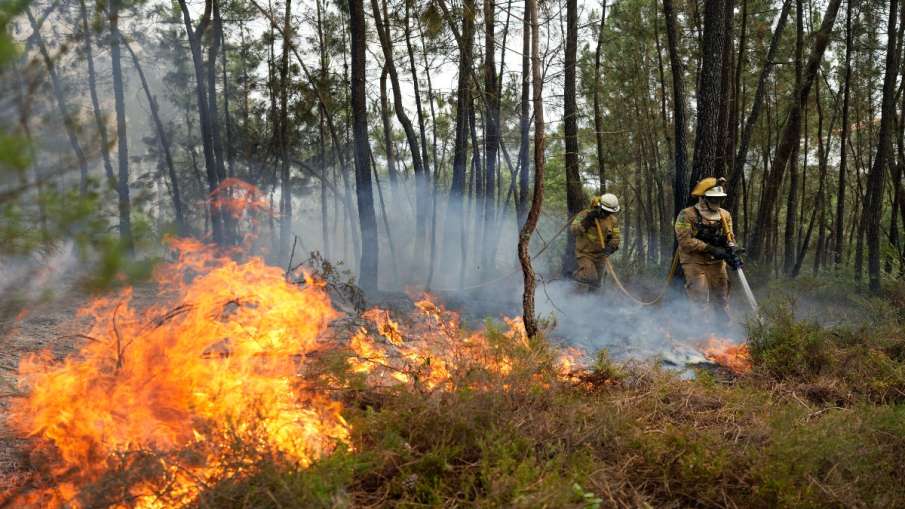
(713, 203)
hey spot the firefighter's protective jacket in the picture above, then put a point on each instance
(691, 225)
(600, 238)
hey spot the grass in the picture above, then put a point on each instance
(820, 422)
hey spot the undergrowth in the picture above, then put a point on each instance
(820, 422)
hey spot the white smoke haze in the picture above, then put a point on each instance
(672, 331)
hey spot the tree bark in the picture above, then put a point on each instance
(411, 137)
(875, 180)
(680, 170)
(575, 197)
(521, 208)
(491, 134)
(455, 227)
(367, 275)
(422, 182)
(387, 128)
(707, 132)
(757, 105)
(764, 225)
(839, 244)
(164, 143)
(285, 181)
(122, 142)
(68, 121)
(537, 200)
(598, 101)
(92, 90)
(789, 241)
(210, 165)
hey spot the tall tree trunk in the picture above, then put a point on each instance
(839, 245)
(455, 211)
(725, 135)
(367, 275)
(322, 85)
(760, 93)
(707, 132)
(422, 182)
(285, 181)
(411, 137)
(875, 180)
(792, 203)
(164, 143)
(575, 197)
(765, 224)
(680, 171)
(387, 128)
(68, 121)
(92, 90)
(122, 142)
(524, 127)
(538, 198)
(598, 100)
(213, 34)
(203, 115)
(438, 162)
(491, 134)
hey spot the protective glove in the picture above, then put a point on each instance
(735, 260)
(720, 253)
(607, 251)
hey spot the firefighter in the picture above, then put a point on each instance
(596, 232)
(706, 244)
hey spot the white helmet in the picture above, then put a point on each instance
(715, 192)
(607, 202)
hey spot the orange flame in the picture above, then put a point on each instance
(734, 357)
(217, 359)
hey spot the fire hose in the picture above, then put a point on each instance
(672, 271)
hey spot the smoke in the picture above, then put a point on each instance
(40, 275)
(670, 331)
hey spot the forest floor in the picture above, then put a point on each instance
(819, 422)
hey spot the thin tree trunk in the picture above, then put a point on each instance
(384, 216)
(422, 182)
(873, 210)
(122, 142)
(387, 128)
(598, 100)
(537, 200)
(285, 182)
(455, 227)
(843, 159)
(764, 225)
(68, 121)
(524, 127)
(789, 241)
(410, 135)
(680, 164)
(92, 89)
(741, 156)
(575, 197)
(322, 84)
(491, 134)
(203, 114)
(164, 143)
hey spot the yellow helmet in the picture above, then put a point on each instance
(710, 186)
